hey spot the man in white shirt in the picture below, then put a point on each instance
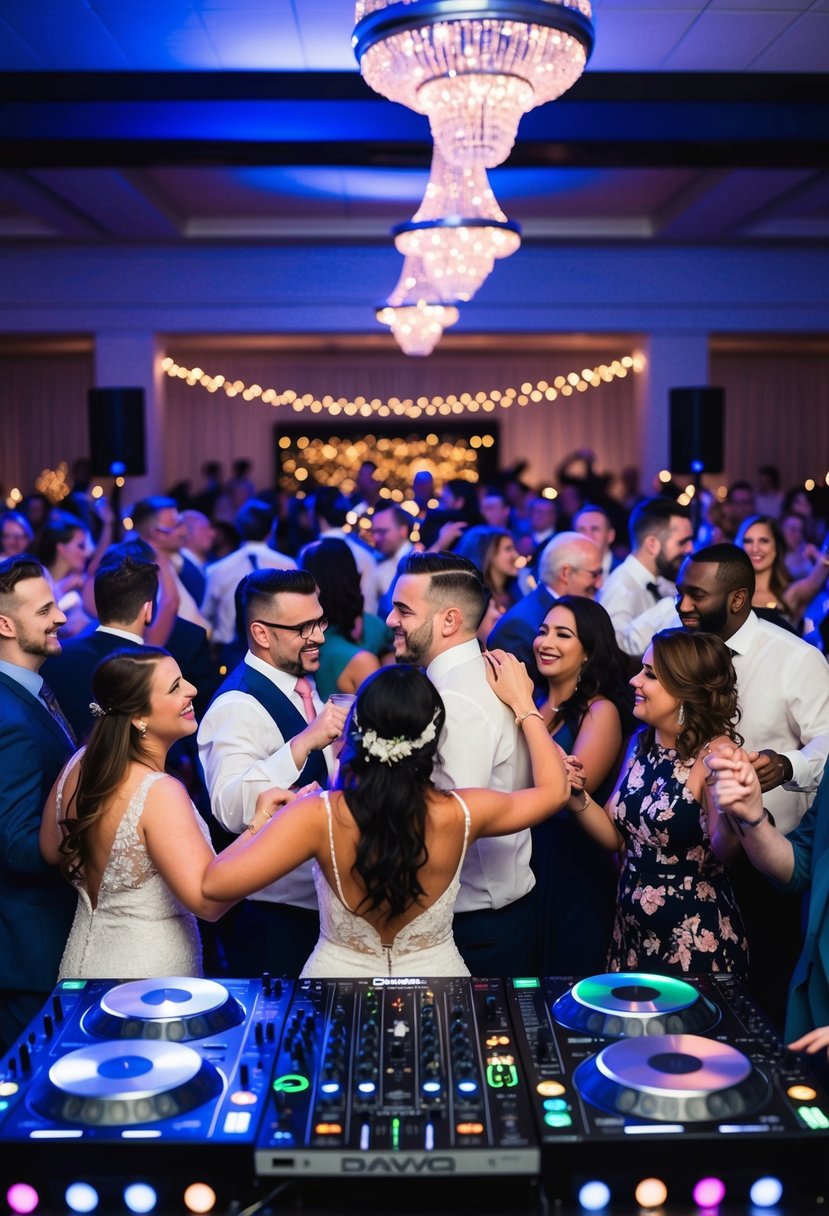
(593, 521)
(439, 601)
(660, 537)
(783, 689)
(390, 530)
(254, 523)
(266, 726)
(157, 520)
(330, 512)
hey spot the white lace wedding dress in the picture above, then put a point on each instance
(349, 946)
(138, 928)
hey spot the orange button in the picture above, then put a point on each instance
(470, 1129)
(329, 1129)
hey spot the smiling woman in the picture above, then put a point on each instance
(125, 834)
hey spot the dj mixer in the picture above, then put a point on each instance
(207, 1095)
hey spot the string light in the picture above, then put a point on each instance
(408, 407)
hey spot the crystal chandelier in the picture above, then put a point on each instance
(458, 230)
(472, 67)
(415, 312)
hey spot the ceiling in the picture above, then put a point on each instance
(697, 121)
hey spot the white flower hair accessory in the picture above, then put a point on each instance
(97, 710)
(390, 751)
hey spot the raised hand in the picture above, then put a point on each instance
(508, 679)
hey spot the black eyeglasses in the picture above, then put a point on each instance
(304, 630)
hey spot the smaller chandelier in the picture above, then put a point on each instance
(472, 66)
(415, 312)
(458, 230)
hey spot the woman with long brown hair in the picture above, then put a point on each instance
(675, 908)
(126, 834)
(777, 596)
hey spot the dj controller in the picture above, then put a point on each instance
(189, 1095)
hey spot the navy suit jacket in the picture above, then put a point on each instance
(516, 630)
(70, 674)
(36, 903)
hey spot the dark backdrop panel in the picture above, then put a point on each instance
(116, 431)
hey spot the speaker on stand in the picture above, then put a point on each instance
(117, 446)
(696, 419)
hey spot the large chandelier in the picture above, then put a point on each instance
(472, 67)
(415, 312)
(458, 230)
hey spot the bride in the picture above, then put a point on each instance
(126, 834)
(388, 845)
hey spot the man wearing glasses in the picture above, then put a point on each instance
(266, 726)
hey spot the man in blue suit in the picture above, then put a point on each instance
(570, 564)
(126, 584)
(36, 903)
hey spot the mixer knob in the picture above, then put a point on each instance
(57, 1008)
(266, 983)
(24, 1055)
(48, 1026)
(244, 1076)
(490, 1007)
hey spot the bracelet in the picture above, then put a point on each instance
(530, 713)
(250, 828)
(579, 810)
(755, 823)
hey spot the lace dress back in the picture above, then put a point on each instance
(138, 928)
(350, 946)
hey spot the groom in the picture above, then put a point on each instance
(439, 602)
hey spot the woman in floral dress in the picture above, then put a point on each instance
(675, 909)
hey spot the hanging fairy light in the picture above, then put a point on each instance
(474, 68)
(415, 311)
(458, 230)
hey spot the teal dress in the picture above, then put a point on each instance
(576, 880)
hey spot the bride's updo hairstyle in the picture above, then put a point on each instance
(385, 772)
(121, 691)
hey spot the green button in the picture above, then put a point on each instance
(554, 1118)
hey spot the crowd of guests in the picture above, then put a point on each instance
(493, 733)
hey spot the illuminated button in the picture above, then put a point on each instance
(470, 1129)
(329, 1129)
(199, 1197)
(813, 1117)
(73, 985)
(81, 1197)
(558, 1118)
(800, 1093)
(555, 1104)
(243, 1097)
(651, 1193)
(369, 1087)
(709, 1192)
(529, 982)
(468, 1087)
(236, 1122)
(431, 1087)
(290, 1083)
(550, 1089)
(7, 1088)
(140, 1197)
(766, 1192)
(594, 1196)
(22, 1198)
(330, 1088)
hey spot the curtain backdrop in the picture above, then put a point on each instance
(777, 407)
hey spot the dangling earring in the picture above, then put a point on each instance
(578, 677)
(141, 727)
(680, 715)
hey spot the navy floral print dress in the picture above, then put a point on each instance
(675, 909)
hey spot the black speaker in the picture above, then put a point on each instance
(697, 430)
(116, 431)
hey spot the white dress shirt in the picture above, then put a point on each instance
(783, 687)
(625, 597)
(481, 747)
(224, 576)
(242, 753)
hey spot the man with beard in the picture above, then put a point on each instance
(638, 594)
(266, 726)
(35, 741)
(783, 689)
(439, 601)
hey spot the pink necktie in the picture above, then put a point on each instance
(303, 687)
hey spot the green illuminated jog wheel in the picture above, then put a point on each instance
(630, 1004)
